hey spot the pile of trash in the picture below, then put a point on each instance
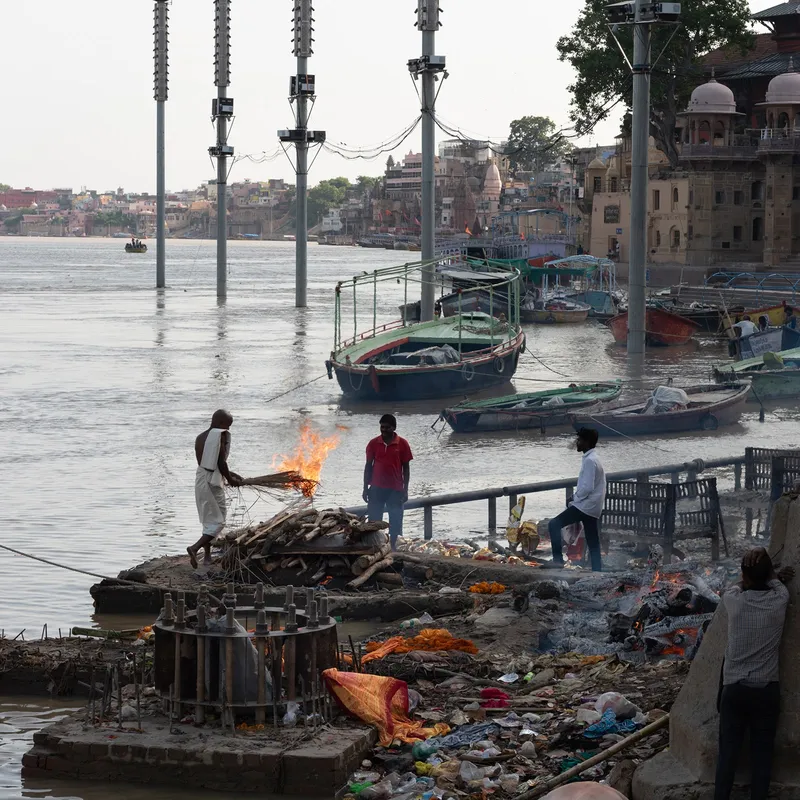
(508, 735)
(465, 548)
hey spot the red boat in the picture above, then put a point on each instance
(661, 328)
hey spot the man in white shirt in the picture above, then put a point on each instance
(586, 505)
(746, 327)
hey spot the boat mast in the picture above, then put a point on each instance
(160, 91)
(427, 66)
(222, 111)
(301, 90)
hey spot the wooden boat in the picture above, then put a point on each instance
(139, 248)
(772, 340)
(775, 316)
(662, 328)
(603, 305)
(538, 410)
(413, 361)
(710, 406)
(775, 384)
(553, 310)
(708, 318)
(733, 371)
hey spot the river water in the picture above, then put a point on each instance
(105, 384)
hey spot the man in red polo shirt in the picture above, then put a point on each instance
(386, 476)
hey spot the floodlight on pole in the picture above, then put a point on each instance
(428, 22)
(160, 94)
(222, 111)
(302, 88)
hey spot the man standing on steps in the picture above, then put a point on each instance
(586, 505)
(211, 450)
(750, 694)
(386, 476)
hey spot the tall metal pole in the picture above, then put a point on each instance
(640, 138)
(428, 23)
(301, 91)
(301, 226)
(222, 110)
(161, 90)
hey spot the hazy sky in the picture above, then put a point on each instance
(78, 84)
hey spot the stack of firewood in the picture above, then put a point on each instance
(254, 546)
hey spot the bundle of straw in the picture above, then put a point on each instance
(283, 480)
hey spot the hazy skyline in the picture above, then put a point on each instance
(79, 99)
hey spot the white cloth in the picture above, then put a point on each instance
(209, 491)
(590, 493)
(210, 498)
(747, 327)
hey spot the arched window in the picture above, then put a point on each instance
(658, 238)
(704, 132)
(675, 237)
(675, 197)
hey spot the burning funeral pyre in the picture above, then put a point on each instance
(660, 612)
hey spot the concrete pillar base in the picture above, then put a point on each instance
(665, 778)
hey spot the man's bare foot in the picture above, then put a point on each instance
(192, 557)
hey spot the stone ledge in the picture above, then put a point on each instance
(202, 757)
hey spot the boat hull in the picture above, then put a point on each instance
(775, 384)
(501, 415)
(379, 383)
(705, 418)
(142, 249)
(555, 316)
(662, 328)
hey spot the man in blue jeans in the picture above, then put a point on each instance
(386, 476)
(586, 505)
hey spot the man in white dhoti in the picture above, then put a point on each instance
(211, 449)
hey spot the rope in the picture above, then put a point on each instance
(94, 574)
(295, 388)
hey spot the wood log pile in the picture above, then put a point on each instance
(254, 547)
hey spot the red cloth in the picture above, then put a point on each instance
(494, 698)
(387, 462)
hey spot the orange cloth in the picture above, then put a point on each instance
(382, 702)
(430, 639)
(487, 588)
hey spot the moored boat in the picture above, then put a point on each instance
(553, 310)
(707, 317)
(539, 410)
(736, 370)
(662, 328)
(775, 384)
(438, 358)
(771, 340)
(707, 407)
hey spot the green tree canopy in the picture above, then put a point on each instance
(324, 196)
(4, 187)
(603, 78)
(534, 142)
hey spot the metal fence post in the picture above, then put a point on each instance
(492, 517)
(427, 523)
(737, 476)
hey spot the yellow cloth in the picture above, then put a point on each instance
(430, 640)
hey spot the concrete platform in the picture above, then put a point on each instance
(665, 778)
(289, 761)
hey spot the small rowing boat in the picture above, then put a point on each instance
(553, 311)
(670, 410)
(538, 410)
(662, 328)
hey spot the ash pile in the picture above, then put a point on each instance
(660, 612)
(305, 546)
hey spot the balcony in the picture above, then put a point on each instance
(736, 152)
(775, 140)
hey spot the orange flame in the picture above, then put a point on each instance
(309, 457)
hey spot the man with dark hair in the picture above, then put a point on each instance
(789, 319)
(750, 696)
(586, 505)
(386, 476)
(211, 450)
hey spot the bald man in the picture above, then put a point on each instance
(211, 449)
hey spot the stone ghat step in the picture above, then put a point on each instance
(282, 762)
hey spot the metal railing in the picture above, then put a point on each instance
(427, 504)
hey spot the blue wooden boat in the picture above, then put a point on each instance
(404, 360)
(538, 410)
(775, 384)
(737, 370)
